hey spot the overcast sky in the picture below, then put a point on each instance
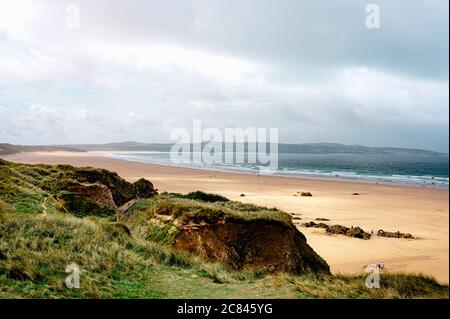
(134, 70)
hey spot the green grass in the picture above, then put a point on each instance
(159, 217)
(40, 236)
(45, 188)
(205, 197)
(198, 210)
(35, 249)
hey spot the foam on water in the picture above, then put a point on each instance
(406, 170)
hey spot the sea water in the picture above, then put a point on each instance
(409, 169)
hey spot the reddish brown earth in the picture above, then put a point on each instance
(270, 245)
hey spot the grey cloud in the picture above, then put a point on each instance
(316, 71)
(302, 36)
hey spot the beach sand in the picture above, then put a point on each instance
(423, 212)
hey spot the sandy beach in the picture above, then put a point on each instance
(423, 212)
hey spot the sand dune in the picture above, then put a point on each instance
(422, 212)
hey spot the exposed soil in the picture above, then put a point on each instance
(269, 245)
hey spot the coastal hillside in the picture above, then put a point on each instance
(304, 148)
(218, 230)
(131, 242)
(8, 149)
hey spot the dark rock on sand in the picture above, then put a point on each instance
(396, 234)
(355, 232)
(315, 225)
(307, 194)
(337, 230)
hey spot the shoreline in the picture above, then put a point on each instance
(305, 175)
(421, 211)
(101, 154)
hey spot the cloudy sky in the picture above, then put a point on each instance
(135, 70)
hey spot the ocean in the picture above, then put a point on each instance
(403, 169)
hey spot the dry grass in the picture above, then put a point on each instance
(35, 249)
(184, 208)
(39, 238)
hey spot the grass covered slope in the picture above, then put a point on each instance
(35, 250)
(63, 188)
(237, 234)
(136, 257)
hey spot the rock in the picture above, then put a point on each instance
(355, 194)
(307, 194)
(314, 225)
(322, 219)
(309, 224)
(242, 195)
(337, 230)
(397, 234)
(355, 232)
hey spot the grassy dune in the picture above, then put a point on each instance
(35, 249)
(39, 237)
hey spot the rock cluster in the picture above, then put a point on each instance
(396, 234)
(355, 232)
